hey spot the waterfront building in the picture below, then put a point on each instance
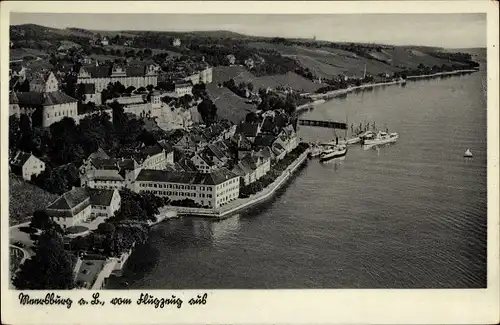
(212, 190)
(70, 209)
(82, 204)
(26, 165)
(130, 75)
(253, 166)
(104, 202)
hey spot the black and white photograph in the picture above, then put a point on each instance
(204, 151)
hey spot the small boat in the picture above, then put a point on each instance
(380, 138)
(315, 151)
(468, 153)
(333, 152)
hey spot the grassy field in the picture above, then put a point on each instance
(240, 74)
(328, 62)
(19, 54)
(229, 105)
(25, 198)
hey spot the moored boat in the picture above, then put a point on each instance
(333, 152)
(468, 153)
(380, 138)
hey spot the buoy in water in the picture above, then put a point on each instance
(468, 153)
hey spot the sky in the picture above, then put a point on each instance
(441, 30)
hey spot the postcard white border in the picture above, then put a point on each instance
(275, 306)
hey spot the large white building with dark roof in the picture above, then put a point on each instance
(211, 190)
(83, 204)
(140, 75)
(51, 107)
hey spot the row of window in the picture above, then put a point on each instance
(63, 113)
(176, 186)
(181, 194)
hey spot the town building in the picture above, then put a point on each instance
(176, 42)
(104, 41)
(140, 75)
(82, 204)
(249, 63)
(134, 104)
(44, 82)
(26, 165)
(202, 75)
(87, 93)
(231, 59)
(47, 108)
(212, 157)
(104, 202)
(14, 108)
(253, 166)
(71, 209)
(211, 190)
(101, 171)
(183, 88)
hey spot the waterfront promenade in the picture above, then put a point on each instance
(244, 203)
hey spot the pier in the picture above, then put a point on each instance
(324, 124)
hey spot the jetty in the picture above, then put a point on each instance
(325, 124)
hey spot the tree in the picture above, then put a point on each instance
(50, 269)
(106, 228)
(207, 110)
(41, 220)
(14, 132)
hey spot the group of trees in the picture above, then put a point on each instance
(240, 89)
(274, 102)
(51, 267)
(276, 170)
(110, 239)
(139, 206)
(65, 144)
(207, 110)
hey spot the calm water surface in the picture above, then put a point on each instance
(409, 215)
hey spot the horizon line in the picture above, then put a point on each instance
(248, 35)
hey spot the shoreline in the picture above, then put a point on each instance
(341, 92)
(242, 204)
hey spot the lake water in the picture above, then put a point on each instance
(409, 215)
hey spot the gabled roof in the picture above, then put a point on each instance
(101, 197)
(214, 178)
(33, 98)
(99, 154)
(20, 158)
(249, 129)
(265, 140)
(105, 175)
(71, 199)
